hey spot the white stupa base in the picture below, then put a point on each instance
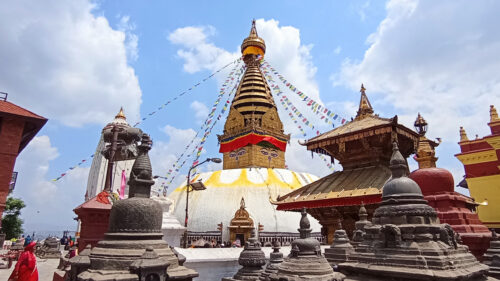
(173, 236)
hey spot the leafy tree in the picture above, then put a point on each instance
(12, 225)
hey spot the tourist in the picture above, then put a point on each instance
(27, 240)
(25, 269)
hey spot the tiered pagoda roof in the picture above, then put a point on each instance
(363, 147)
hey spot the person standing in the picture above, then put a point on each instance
(26, 269)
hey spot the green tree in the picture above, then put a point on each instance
(12, 225)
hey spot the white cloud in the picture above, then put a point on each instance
(437, 58)
(300, 160)
(337, 50)
(49, 205)
(72, 63)
(362, 10)
(131, 39)
(200, 111)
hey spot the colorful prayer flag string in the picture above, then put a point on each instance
(237, 61)
(208, 125)
(323, 112)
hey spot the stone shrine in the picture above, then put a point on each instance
(170, 226)
(252, 259)
(406, 240)
(50, 249)
(492, 257)
(134, 231)
(357, 236)
(305, 261)
(340, 249)
(275, 258)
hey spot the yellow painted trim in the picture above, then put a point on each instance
(478, 157)
(494, 142)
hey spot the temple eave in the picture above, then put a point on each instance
(329, 202)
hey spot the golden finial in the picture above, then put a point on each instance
(493, 114)
(253, 44)
(121, 114)
(365, 107)
(463, 135)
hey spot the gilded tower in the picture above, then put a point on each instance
(253, 134)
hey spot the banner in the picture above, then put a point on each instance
(252, 137)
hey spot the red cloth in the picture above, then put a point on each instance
(103, 197)
(253, 139)
(25, 269)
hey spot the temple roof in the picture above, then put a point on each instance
(339, 189)
(34, 122)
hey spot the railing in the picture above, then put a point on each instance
(3, 96)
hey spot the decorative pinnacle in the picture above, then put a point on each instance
(365, 107)
(363, 214)
(305, 225)
(463, 135)
(493, 114)
(362, 90)
(397, 163)
(121, 114)
(253, 30)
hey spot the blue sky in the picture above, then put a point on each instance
(77, 62)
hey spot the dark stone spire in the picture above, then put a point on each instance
(492, 256)
(135, 225)
(275, 258)
(341, 248)
(406, 240)
(363, 221)
(251, 259)
(305, 261)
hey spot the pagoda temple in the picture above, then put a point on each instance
(481, 160)
(452, 208)
(253, 145)
(363, 147)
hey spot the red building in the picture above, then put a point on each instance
(94, 220)
(452, 208)
(18, 126)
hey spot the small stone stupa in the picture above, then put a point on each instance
(133, 248)
(357, 236)
(305, 261)
(252, 258)
(275, 258)
(341, 248)
(492, 256)
(407, 241)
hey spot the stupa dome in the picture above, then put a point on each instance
(399, 184)
(433, 180)
(226, 188)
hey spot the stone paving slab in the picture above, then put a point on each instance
(46, 268)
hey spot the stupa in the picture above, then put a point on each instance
(406, 240)
(253, 145)
(492, 256)
(275, 259)
(357, 236)
(305, 261)
(452, 208)
(340, 250)
(252, 259)
(133, 247)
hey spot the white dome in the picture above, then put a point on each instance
(225, 188)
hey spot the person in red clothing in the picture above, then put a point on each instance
(25, 269)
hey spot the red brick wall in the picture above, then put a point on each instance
(10, 136)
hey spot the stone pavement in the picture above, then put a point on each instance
(46, 268)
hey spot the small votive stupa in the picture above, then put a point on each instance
(252, 259)
(341, 248)
(407, 241)
(357, 236)
(305, 261)
(275, 258)
(492, 256)
(133, 248)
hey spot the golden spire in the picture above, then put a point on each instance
(365, 107)
(493, 114)
(253, 44)
(121, 114)
(426, 153)
(463, 135)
